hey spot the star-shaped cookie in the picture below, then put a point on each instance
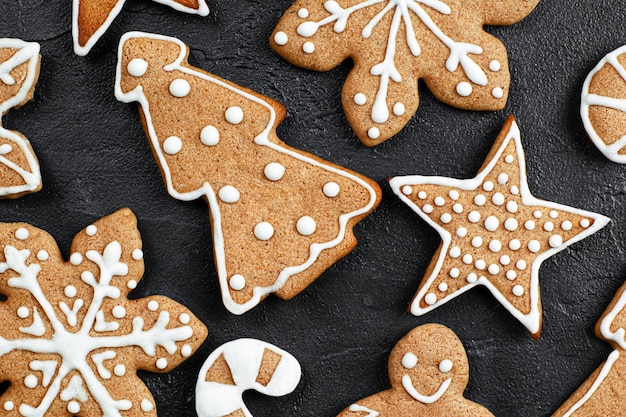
(494, 232)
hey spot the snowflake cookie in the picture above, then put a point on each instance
(19, 70)
(241, 365)
(428, 371)
(280, 216)
(604, 392)
(394, 43)
(71, 341)
(92, 18)
(494, 232)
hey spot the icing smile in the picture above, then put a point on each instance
(426, 399)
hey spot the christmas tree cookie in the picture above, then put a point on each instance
(19, 70)
(395, 43)
(494, 232)
(280, 216)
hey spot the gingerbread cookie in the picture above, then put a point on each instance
(494, 232)
(394, 43)
(603, 105)
(19, 70)
(280, 216)
(241, 365)
(428, 371)
(71, 341)
(92, 18)
(604, 392)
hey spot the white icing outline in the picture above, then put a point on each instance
(26, 52)
(587, 100)
(207, 190)
(244, 358)
(203, 10)
(532, 320)
(357, 408)
(407, 384)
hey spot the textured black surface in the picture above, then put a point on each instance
(96, 159)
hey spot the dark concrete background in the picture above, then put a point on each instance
(95, 159)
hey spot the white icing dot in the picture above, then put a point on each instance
(440, 201)
(497, 199)
(488, 186)
(76, 258)
(153, 305)
(421, 195)
(161, 363)
(229, 194)
(505, 260)
(360, 99)
(185, 351)
(480, 200)
(184, 318)
(146, 405)
(534, 246)
(567, 225)
(22, 233)
(555, 241)
(9, 405)
(234, 115)
(548, 226)
(137, 67)
(461, 232)
(454, 273)
(495, 246)
(492, 223)
(514, 190)
(306, 226)
(515, 244)
(454, 194)
(473, 216)
(409, 360)
(480, 264)
(23, 312)
(137, 254)
(31, 381)
(209, 135)
(477, 241)
(494, 65)
(281, 38)
(5, 149)
(172, 145)
(119, 312)
(493, 269)
(509, 159)
(445, 366)
(511, 275)
(457, 208)
(537, 214)
(443, 287)
(510, 224)
(263, 231)
(446, 218)
(303, 13)
(131, 284)
(503, 178)
(399, 109)
(521, 264)
(408, 190)
(430, 298)
(73, 407)
(274, 171)
(308, 47)
(331, 189)
(467, 259)
(373, 133)
(91, 230)
(497, 92)
(237, 282)
(472, 278)
(43, 255)
(119, 370)
(70, 291)
(455, 252)
(518, 290)
(554, 214)
(427, 208)
(511, 207)
(464, 89)
(529, 225)
(179, 88)
(584, 223)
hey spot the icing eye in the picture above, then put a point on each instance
(409, 360)
(445, 366)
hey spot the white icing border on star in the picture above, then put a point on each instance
(532, 320)
(209, 193)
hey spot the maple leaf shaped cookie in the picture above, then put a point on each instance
(71, 341)
(394, 43)
(280, 216)
(494, 232)
(92, 18)
(19, 71)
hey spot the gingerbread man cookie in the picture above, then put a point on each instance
(394, 43)
(428, 371)
(280, 216)
(494, 232)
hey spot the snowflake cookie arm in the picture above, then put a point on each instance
(507, 12)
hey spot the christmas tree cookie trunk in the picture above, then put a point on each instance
(280, 216)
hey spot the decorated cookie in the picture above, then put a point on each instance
(241, 365)
(394, 43)
(428, 371)
(71, 341)
(92, 18)
(494, 232)
(19, 71)
(604, 392)
(603, 105)
(280, 216)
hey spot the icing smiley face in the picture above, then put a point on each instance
(409, 361)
